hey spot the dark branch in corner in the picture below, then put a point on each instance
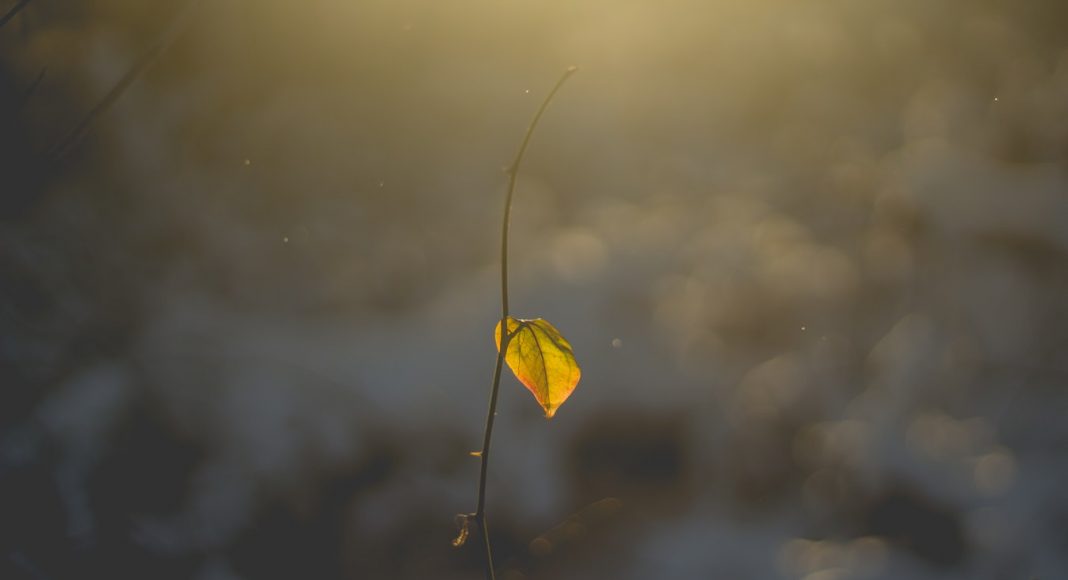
(66, 144)
(13, 12)
(32, 88)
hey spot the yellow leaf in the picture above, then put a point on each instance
(464, 521)
(542, 360)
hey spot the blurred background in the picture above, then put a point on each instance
(810, 253)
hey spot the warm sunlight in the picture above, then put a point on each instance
(810, 256)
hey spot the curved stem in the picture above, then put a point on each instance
(513, 177)
(513, 174)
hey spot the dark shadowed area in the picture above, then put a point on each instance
(811, 254)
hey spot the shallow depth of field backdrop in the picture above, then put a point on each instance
(812, 255)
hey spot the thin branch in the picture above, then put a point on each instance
(30, 90)
(64, 146)
(13, 12)
(513, 176)
(505, 336)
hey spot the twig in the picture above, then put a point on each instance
(64, 146)
(13, 12)
(32, 88)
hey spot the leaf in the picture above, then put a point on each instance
(463, 521)
(542, 360)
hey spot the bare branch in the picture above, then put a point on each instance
(13, 12)
(71, 139)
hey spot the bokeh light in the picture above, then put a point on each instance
(811, 255)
